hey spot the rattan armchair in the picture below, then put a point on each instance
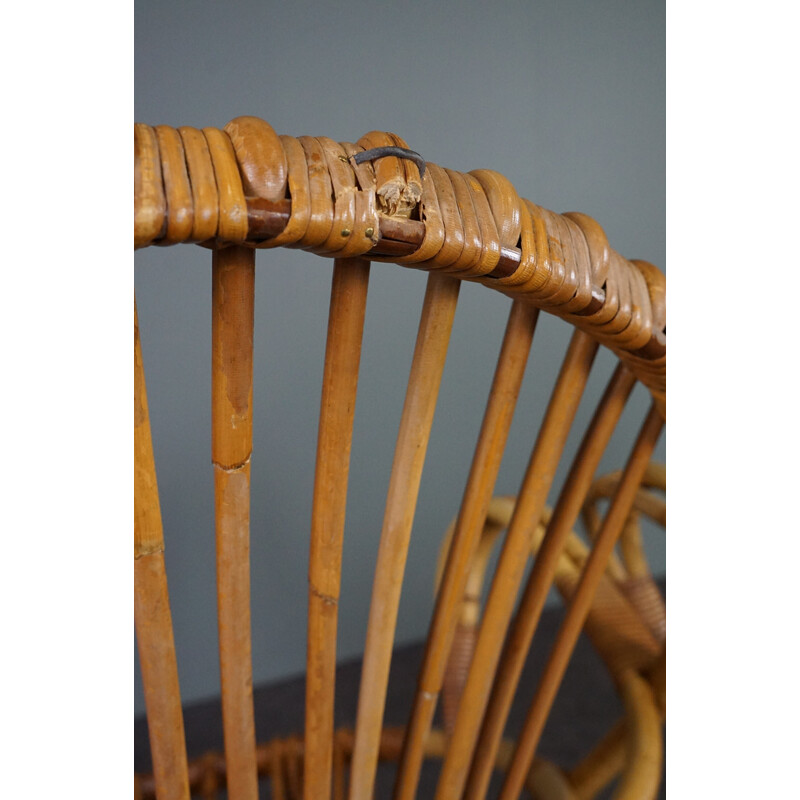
(245, 188)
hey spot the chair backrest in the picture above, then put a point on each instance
(245, 188)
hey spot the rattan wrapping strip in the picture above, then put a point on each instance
(205, 199)
(149, 204)
(177, 189)
(260, 154)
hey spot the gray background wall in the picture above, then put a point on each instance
(565, 98)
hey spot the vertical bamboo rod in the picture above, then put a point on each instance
(580, 604)
(477, 494)
(550, 442)
(151, 605)
(412, 441)
(231, 445)
(337, 407)
(530, 608)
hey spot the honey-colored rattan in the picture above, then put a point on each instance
(242, 188)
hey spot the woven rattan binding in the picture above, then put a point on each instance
(246, 185)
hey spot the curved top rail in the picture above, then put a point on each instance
(246, 185)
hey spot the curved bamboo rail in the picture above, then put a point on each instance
(246, 185)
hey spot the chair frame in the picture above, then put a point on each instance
(242, 188)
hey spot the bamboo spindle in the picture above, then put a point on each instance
(337, 407)
(567, 509)
(532, 496)
(153, 620)
(580, 604)
(477, 494)
(412, 440)
(637, 581)
(231, 445)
